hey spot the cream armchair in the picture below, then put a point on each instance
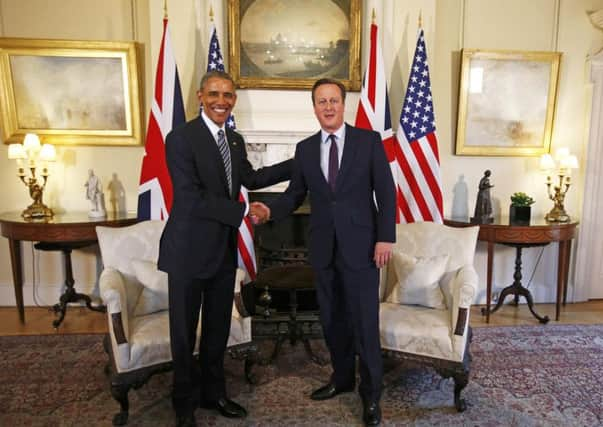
(426, 292)
(135, 293)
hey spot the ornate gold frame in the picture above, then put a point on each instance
(34, 50)
(234, 53)
(500, 135)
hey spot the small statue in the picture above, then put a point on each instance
(94, 193)
(483, 204)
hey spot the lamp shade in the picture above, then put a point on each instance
(569, 162)
(31, 143)
(48, 153)
(547, 162)
(16, 151)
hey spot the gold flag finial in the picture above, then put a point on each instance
(165, 9)
(211, 13)
(374, 16)
(420, 20)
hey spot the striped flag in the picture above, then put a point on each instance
(246, 251)
(373, 108)
(167, 111)
(417, 163)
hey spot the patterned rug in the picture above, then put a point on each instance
(521, 376)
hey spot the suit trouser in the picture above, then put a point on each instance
(349, 313)
(201, 378)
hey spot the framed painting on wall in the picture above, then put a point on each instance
(506, 102)
(70, 92)
(289, 44)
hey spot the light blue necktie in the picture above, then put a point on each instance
(225, 152)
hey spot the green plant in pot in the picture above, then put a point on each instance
(521, 208)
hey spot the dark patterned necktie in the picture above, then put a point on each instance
(333, 162)
(225, 152)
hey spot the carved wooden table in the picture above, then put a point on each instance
(63, 232)
(538, 233)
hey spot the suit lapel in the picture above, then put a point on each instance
(314, 153)
(208, 153)
(349, 152)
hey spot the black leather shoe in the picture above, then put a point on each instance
(371, 414)
(226, 407)
(328, 391)
(187, 420)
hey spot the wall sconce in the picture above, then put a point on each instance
(35, 156)
(561, 166)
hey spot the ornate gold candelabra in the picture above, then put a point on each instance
(36, 156)
(562, 168)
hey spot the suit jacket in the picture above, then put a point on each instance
(204, 217)
(348, 216)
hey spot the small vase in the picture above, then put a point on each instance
(520, 215)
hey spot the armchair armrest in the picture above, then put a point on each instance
(113, 293)
(464, 287)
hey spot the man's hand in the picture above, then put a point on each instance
(259, 213)
(383, 253)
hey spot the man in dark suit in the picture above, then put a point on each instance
(351, 236)
(208, 164)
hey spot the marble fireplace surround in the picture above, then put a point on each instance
(266, 147)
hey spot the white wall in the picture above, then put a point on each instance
(450, 25)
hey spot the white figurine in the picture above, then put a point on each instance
(94, 193)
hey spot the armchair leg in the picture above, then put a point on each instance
(460, 382)
(120, 393)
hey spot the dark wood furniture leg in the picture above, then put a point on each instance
(70, 294)
(15, 261)
(486, 311)
(517, 289)
(562, 273)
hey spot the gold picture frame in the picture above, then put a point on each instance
(506, 102)
(70, 92)
(289, 44)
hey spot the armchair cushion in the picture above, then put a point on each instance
(418, 280)
(154, 296)
(416, 330)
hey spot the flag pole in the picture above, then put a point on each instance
(420, 20)
(211, 13)
(374, 17)
(165, 15)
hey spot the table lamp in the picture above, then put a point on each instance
(561, 165)
(33, 156)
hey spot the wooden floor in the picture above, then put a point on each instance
(80, 320)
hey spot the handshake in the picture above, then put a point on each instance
(259, 213)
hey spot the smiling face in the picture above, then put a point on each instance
(218, 98)
(329, 107)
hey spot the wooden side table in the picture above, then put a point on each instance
(538, 233)
(63, 232)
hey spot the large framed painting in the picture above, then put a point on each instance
(70, 91)
(289, 44)
(506, 102)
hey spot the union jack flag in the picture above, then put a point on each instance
(417, 165)
(373, 108)
(167, 111)
(246, 251)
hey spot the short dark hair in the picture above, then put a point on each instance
(328, 81)
(219, 74)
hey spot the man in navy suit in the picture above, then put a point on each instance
(352, 230)
(208, 164)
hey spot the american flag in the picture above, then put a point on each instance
(167, 111)
(417, 171)
(373, 108)
(246, 251)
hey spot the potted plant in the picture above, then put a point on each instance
(520, 210)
